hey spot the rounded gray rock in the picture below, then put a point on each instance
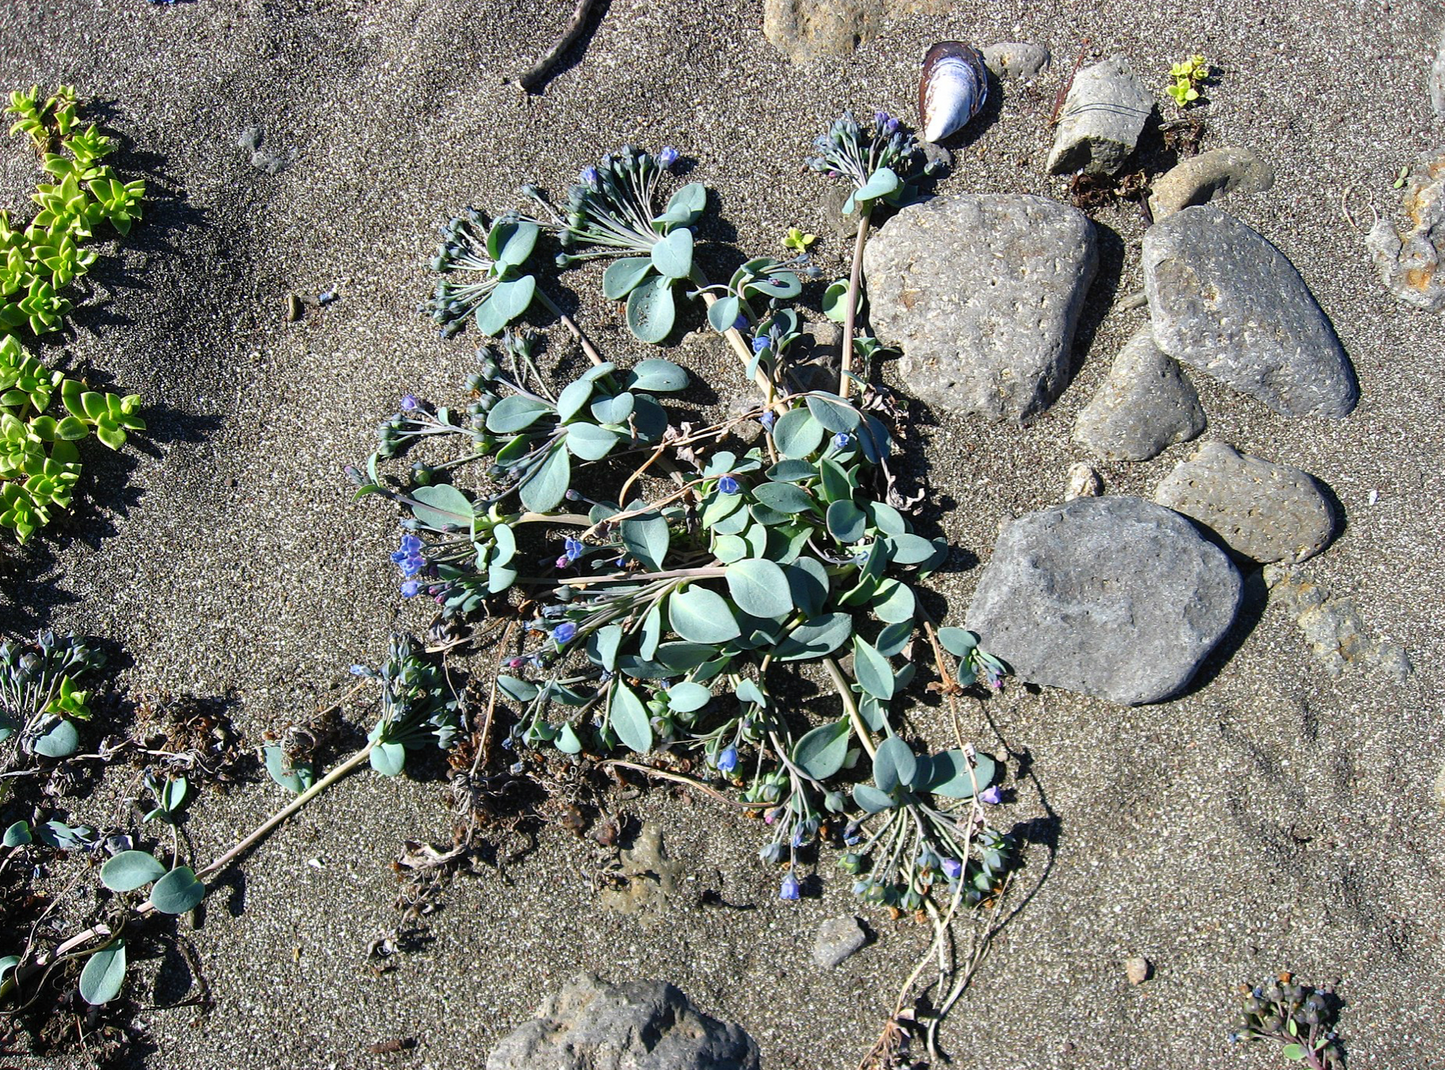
(806, 30)
(837, 939)
(1146, 405)
(1225, 301)
(1102, 118)
(1114, 597)
(982, 292)
(641, 1025)
(1016, 61)
(1200, 178)
(1263, 511)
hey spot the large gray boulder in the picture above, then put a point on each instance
(1264, 511)
(1114, 597)
(1225, 301)
(1145, 406)
(641, 1025)
(982, 293)
(1102, 118)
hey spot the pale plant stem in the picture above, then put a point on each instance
(572, 329)
(850, 312)
(846, 693)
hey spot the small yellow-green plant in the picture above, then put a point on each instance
(39, 260)
(1188, 75)
(39, 462)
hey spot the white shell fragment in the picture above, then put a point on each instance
(952, 90)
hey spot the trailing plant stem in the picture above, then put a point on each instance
(850, 310)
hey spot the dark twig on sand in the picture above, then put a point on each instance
(539, 70)
(1067, 84)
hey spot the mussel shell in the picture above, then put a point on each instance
(952, 90)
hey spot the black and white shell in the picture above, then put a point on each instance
(952, 90)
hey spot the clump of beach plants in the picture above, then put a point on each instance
(664, 582)
(44, 413)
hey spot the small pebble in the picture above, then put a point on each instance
(1084, 482)
(837, 939)
(1138, 969)
(293, 308)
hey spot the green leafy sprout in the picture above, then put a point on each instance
(1186, 78)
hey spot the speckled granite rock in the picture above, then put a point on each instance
(1102, 118)
(1266, 512)
(982, 293)
(1115, 597)
(1225, 301)
(641, 1025)
(1145, 405)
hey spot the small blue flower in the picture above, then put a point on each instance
(359, 670)
(410, 544)
(727, 485)
(667, 157)
(727, 759)
(767, 419)
(760, 343)
(992, 796)
(880, 119)
(412, 565)
(952, 867)
(842, 440)
(408, 402)
(573, 548)
(791, 889)
(589, 176)
(564, 632)
(410, 588)
(741, 323)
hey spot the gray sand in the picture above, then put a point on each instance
(1275, 818)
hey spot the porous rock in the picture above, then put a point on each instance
(1225, 301)
(1335, 630)
(1146, 405)
(1409, 262)
(640, 1025)
(1263, 511)
(1114, 597)
(1102, 118)
(982, 293)
(837, 939)
(1138, 969)
(1016, 61)
(804, 30)
(1200, 178)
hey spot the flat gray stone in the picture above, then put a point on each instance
(1266, 512)
(837, 939)
(1200, 178)
(1409, 262)
(1114, 597)
(805, 30)
(982, 293)
(1016, 61)
(641, 1025)
(1102, 118)
(1146, 405)
(1225, 301)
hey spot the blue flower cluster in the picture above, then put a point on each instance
(410, 560)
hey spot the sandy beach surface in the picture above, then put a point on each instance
(1276, 817)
